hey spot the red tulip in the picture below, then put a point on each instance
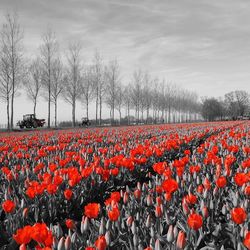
(101, 243)
(8, 206)
(92, 210)
(240, 179)
(221, 182)
(70, 224)
(114, 214)
(238, 215)
(195, 221)
(246, 241)
(68, 194)
(181, 240)
(170, 186)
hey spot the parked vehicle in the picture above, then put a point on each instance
(85, 122)
(30, 121)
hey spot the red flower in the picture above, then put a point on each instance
(68, 194)
(247, 190)
(181, 240)
(101, 243)
(158, 211)
(115, 196)
(238, 215)
(70, 224)
(246, 241)
(194, 221)
(41, 234)
(159, 167)
(170, 186)
(114, 214)
(191, 199)
(8, 206)
(92, 210)
(207, 184)
(137, 194)
(23, 235)
(221, 182)
(52, 188)
(240, 179)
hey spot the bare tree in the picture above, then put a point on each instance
(56, 84)
(11, 43)
(5, 83)
(88, 89)
(127, 100)
(137, 92)
(97, 81)
(119, 99)
(72, 79)
(33, 82)
(49, 50)
(237, 103)
(147, 95)
(113, 80)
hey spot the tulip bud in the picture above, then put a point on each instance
(157, 245)
(205, 194)
(135, 240)
(170, 234)
(22, 203)
(152, 232)
(125, 198)
(181, 240)
(224, 209)
(148, 221)
(25, 212)
(137, 216)
(108, 225)
(211, 204)
(205, 212)
(22, 247)
(102, 228)
(129, 221)
(175, 231)
(107, 237)
(61, 244)
(86, 224)
(133, 228)
(74, 237)
(158, 211)
(67, 243)
(149, 200)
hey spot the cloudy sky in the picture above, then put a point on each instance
(202, 45)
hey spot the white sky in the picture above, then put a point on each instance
(202, 45)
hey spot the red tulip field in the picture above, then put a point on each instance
(172, 186)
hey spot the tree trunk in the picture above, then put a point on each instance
(128, 114)
(87, 109)
(8, 113)
(12, 102)
(100, 111)
(73, 113)
(34, 109)
(120, 114)
(96, 105)
(49, 108)
(55, 112)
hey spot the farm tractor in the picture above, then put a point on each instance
(85, 122)
(30, 121)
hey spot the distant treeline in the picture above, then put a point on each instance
(234, 105)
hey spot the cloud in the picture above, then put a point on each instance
(202, 44)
